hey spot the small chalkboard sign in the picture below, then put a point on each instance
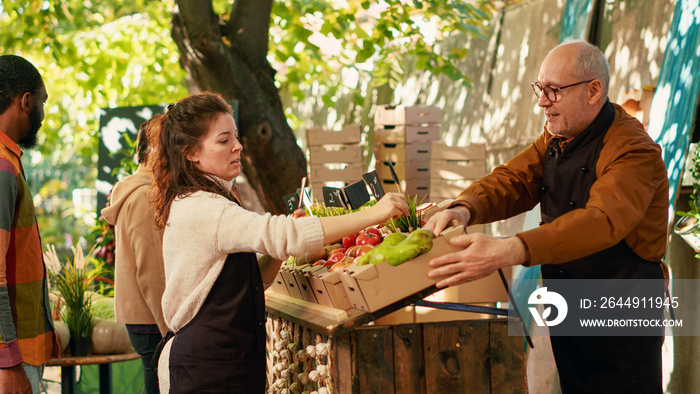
(291, 202)
(357, 194)
(375, 185)
(333, 197)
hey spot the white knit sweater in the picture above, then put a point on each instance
(202, 230)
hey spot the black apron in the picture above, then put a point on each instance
(595, 364)
(222, 350)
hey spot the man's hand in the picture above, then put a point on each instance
(481, 256)
(444, 219)
(14, 380)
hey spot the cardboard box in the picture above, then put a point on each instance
(404, 134)
(350, 134)
(372, 287)
(440, 151)
(457, 169)
(303, 284)
(343, 172)
(336, 290)
(278, 285)
(320, 291)
(291, 283)
(402, 115)
(323, 154)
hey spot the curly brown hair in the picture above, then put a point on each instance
(179, 133)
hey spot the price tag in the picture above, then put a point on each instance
(291, 202)
(357, 194)
(332, 197)
(372, 180)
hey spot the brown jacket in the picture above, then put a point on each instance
(139, 274)
(629, 199)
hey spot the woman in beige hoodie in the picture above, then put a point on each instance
(139, 279)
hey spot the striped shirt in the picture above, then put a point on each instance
(26, 329)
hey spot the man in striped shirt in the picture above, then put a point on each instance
(27, 339)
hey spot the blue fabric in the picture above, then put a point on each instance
(576, 20)
(676, 97)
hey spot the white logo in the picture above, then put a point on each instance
(543, 297)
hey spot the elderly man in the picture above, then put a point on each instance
(603, 193)
(27, 339)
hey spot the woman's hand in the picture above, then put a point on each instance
(392, 205)
(389, 206)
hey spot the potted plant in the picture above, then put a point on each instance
(72, 281)
(688, 226)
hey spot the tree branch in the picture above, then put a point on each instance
(249, 26)
(200, 24)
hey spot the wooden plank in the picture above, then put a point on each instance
(508, 375)
(342, 364)
(409, 363)
(375, 364)
(454, 357)
(306, 307)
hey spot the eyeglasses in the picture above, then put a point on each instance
(551, 93)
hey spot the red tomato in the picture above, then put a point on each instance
(329, 263)
(349, 240)
(369, 239)
(374, 231)
(335, 257)
(320, 262)
(334, 251)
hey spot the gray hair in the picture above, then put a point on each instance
(591, 64)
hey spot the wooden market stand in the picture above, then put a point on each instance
(358, 356)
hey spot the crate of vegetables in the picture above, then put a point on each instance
(395, 269)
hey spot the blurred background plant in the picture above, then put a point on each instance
(73, 281)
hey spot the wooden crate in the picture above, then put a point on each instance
(471, 356)
(403, 115)
(343, 172)
(350, 134)
(404, 134)
(440, 150)
(341, 153)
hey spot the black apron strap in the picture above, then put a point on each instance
(159, 349)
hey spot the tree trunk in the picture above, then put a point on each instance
(231, 59)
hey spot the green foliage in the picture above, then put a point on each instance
(91, 55)
(695, 196)
(105, 54)
(331, 39)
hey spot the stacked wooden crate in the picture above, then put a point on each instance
(402, 137)
(335, 157)
(453, 168)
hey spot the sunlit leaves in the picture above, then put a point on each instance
(379, 38)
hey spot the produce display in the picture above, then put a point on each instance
(326, 276)
(367, 247)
